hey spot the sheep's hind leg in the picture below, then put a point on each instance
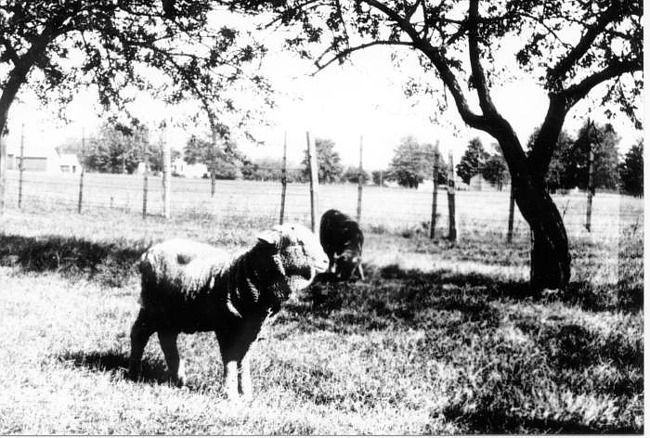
(175, 365)
(140, 333)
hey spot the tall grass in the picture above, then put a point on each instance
(439, 338)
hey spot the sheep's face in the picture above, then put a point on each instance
(297, 253)
(344, 264)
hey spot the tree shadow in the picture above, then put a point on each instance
(153, 370)
(497, 422)
(391, 295)
(586, 295)
(111, 264)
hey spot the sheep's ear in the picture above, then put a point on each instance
(269, 237)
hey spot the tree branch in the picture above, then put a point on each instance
(564, 65)
(545, 143)
(546, 27)
(440, 63)
(478, 74)
(578, 91)
(346, 52)
(13, 56)
(18, 75)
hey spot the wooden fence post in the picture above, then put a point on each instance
(213, 160)
(313, 184)
(434, 206)
(81, 172)
(511, 212)
(451, 199)
(283, 179)
(145, 184)
(167, 173)
(21, 167)
(3, 173)
(360, 182)
(590, 187)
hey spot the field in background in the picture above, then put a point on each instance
(439, 339)
(390, 208)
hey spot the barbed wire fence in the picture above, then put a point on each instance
(378, 208)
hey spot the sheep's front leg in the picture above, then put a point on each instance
(175, 365)
(236, 378)
(244, 372)
(230, 379)
(141, 331)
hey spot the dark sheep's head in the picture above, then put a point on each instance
(344, 264)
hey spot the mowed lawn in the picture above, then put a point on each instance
(439, 338)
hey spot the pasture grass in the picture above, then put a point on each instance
(440, 338)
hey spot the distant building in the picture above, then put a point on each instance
(480, 184)
(47, 160)
(69, 163)
(427, 185)
(181, 168)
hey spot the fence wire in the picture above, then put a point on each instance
(383, 208)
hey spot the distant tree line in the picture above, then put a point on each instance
(119, 148)
(569, 166)
(412, 163)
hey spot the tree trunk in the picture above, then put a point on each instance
(550, 261)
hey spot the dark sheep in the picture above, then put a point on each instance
(342, 240)
(189, 286)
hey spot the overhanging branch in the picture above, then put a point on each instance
(578, 91)
(565, 64)
(478, 74)
(340, 56)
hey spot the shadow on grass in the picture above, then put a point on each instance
(153, 371)
(111, 264)
(390, 296)
(493, 422)
(624, 296)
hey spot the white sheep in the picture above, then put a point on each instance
(189, 286)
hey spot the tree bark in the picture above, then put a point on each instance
(550, 261)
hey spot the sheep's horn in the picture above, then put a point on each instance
(232, 309)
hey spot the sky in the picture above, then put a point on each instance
(362, 101)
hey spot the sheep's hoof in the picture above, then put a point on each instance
(178, 381)
(232, 396)
(246, 397)
(133, 374)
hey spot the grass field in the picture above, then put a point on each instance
(439, 338)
